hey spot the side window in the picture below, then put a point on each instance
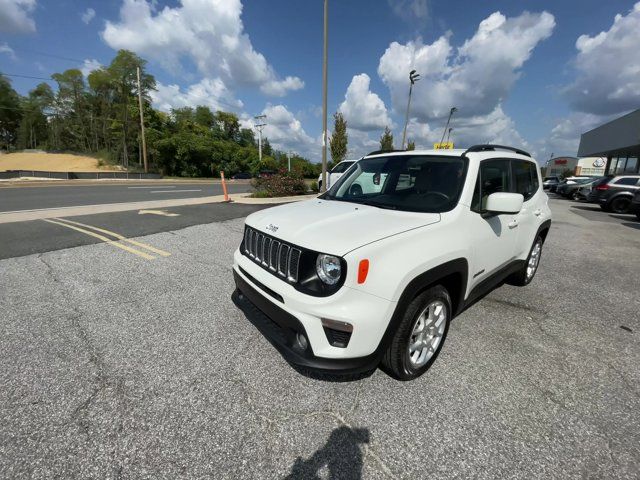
(627, 181)
(493, 176)
(525, 178)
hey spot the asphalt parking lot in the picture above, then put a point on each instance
(113, 365)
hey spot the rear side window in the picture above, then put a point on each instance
(626, 181)
(341, 167)
(525, 178)
(493, 176)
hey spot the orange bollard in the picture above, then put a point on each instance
(224, 187)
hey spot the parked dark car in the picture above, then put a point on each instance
(548, 181)
(584, 190)
(242, 176)
(570, 190)
(553, 188)
(615, 194)
(635, 204)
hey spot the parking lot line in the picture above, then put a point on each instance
(122, 238)
(174, 191)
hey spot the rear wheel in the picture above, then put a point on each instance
(575, 196)
(620, 205)
(524, 276)
(419, 338)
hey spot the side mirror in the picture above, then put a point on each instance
(502, 202)
(376, 179)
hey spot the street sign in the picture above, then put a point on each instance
(443, 146)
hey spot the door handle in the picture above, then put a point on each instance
(512, 224)
(537, 212)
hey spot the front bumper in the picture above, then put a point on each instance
(292, 312)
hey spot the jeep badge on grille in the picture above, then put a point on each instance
(272, 228)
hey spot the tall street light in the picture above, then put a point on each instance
(449, 134)
(413, 78)
(451, 112)
(324, 96)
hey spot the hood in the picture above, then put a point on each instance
(335, 227)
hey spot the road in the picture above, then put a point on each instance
(114, 365)
(20, 198)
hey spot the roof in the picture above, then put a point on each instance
(456, 152)
(618, 137)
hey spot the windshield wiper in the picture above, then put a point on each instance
(386, 206)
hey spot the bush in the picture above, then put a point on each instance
(315, 187)
(282, 184)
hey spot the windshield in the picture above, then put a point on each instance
(341, 167)
(416, 183)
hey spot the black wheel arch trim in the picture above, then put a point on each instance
(453, 271)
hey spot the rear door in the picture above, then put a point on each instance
(494, 236)
(526, 183)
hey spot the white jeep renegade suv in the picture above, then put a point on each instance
(374, 270)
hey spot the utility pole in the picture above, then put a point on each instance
(413, 78)
(144, 140)
(449, 134)
(289, 153)
(259, 126)
(451, 112)
(324, 95)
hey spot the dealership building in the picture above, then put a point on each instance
(617, 142)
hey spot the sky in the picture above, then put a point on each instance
(532, 74)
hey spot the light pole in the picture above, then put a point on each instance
(451, 112)
(449, 134)
(260, 125)
(324, 95)
(413, 78)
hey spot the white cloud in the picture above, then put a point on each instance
(89, 65)
(475, 77)
(285, 132)
(88, 15)
(210, 92)
(209, 33)
(6, 49)
(608, 68)
(410, 10)
(15, 16)
(362, 109)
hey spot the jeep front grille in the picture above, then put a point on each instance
(278, 257)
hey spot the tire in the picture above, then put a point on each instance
(575, 196)
(620, 205)
(398, 360)
(524, 276)
(638, 215)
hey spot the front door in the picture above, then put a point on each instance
(494, 235)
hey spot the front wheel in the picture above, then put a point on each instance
(620, 205)
(419, 338)
(575, 196)
(524, 276)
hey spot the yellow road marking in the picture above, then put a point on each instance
(115, 243)
(157, 251)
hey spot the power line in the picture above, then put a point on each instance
(44, 54)
(26, 76)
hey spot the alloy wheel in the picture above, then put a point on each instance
(427, 333)
(534, 259)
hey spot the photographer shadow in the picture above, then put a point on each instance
(342, 456)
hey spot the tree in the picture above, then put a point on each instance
(339, 139)
(386, 140)
(33, 131)
(229, 124)
(247, 138)
(204, 117)
(266, 147)
(10, 113)
(411, 145)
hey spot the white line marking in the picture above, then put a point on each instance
(157, 186)
(158, 212)
(173, 191)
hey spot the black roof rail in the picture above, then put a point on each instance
(489, 147)
(376, 152)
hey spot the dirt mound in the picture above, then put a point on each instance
(52, 162)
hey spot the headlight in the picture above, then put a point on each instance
(328, 268)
